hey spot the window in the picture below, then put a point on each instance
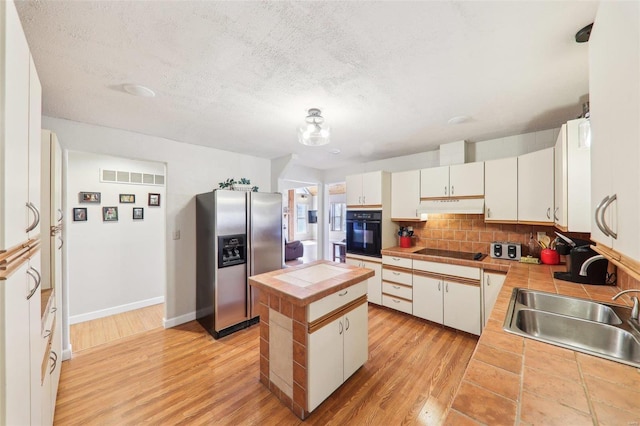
(337, 216)
(301, 218)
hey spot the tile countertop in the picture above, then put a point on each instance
(513, 380)
(309, 282)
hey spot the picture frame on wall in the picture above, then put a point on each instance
(127, 198)
(154, 200)
(110, 214)
(138, 213)
(89, 197)
(79, 214)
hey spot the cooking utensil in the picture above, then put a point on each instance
(566, 239)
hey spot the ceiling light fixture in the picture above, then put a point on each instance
(314, 132)
(138, 90)
(459, 119)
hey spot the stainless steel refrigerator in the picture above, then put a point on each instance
(238, 234)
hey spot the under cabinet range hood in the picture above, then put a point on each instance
(452, 205)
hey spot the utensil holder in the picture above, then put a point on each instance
(405, 242)
(549, 257)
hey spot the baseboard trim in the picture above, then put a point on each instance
(115, 310)
(66, 353)
(182, 319)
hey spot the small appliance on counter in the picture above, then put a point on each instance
(580, 253)
(508, 251)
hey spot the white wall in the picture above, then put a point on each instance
(115, 265)
(191, 170)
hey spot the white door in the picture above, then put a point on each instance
(535, 187)
(374, 284)
(466, 180)
(462, 307)
(35, 144)
(434, 182)
(560, 180)
(427, 298)
(405, 194)
(492, 286)
(354, 190)
(372, 188)
(325, 362)
(501, 190)
(356, 339)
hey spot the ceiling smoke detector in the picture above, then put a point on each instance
(138, 90)
(314, 132)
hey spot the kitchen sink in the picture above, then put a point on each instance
(570, 306)
(598, 329)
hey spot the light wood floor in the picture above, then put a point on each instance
(102, 330)
(183, 376)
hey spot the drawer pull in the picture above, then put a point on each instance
(342, 294)
(47, 333)
(397, 287)
(397, 259)
(395, 273)
(395, 301)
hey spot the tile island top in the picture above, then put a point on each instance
(309, 282)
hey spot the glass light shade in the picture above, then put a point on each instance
(584, 135)
(314, 135)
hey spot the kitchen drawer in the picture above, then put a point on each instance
(399, 277)
(400, 262)
(335, 301)
(394, 289)
(447, 269)
(397, 304)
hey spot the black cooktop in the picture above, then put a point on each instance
(453, 254)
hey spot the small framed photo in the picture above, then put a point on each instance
(89, 197)
(138, 213)
(127, 198)
(154, 200)
(79, 214)
(110, 214)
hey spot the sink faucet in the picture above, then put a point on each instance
(634, 299)
(588, 262)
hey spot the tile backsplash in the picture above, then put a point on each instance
(469, 232)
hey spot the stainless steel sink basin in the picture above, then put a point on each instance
(541, 316)
(570, 306)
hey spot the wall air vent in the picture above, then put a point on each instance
(136, 178)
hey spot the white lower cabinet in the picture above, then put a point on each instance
(427, 298)
(374, 284)
(461, 307)
(335, 352)
(491, 286)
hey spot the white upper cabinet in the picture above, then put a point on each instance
(405, 195)
(35, 142)
(460, 180)
(367, 189)
(614, 95)
(15, 134)
(535, 187)
(501, 190)
(572, 178)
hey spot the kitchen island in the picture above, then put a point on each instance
(313, 330)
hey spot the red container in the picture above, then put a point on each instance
(405, 242)
(549, 257)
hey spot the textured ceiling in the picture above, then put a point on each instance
(240, 76)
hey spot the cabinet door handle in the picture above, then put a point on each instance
(555, 216)
(347, 321)
(364, 200)
(341, 327)
(597, 216)
(439, 285)
(342, 294)
(452, 189)
(61, 215)
(445, 190)
(53, 357)
(36, 279)
(488, 280)
(548, 212)
(488, 212)
(53, 309)
(61, 243)
(604, 222)
(47, 333)
(36, 217)
(446, 287)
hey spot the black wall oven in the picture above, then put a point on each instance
(364, 232)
